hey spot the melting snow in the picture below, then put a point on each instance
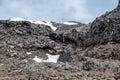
(70, 23)
(35, 22)
(51, 59)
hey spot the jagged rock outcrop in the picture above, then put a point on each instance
(106, 27)
(104, 30)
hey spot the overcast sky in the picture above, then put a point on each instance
(56, 10)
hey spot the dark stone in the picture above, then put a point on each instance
(65, 57)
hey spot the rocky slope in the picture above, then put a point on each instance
(42, 50)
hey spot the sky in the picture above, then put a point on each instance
(56, 10)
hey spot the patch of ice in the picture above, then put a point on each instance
(70, 23)
(51, 59)
(35, 22)
(28, 53)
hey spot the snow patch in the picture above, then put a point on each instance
(51, 59)
(17, 19)
(70, 23)
(50, 24)
(37, 59)
(35, 22)
(28, 53)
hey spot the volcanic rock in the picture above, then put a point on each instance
(86, 51)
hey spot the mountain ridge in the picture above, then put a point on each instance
(42, 50)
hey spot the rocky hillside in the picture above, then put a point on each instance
(42, 50)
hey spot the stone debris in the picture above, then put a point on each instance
(42, 50)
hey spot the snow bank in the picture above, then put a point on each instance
(70, 23)
(17, 19)
(51, 59)
(35, 22)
